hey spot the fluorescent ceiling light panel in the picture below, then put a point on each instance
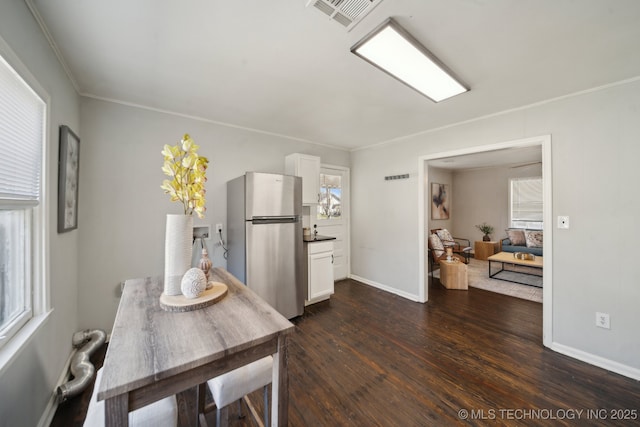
(396, 52)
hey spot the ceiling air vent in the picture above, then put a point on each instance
(346, 12)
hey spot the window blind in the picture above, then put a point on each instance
(21, 138)
(526, 199)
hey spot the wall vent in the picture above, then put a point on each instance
(346, 12)
(394, 177)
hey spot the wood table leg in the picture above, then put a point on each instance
(201, 393)
(116, 411)
(280, 385)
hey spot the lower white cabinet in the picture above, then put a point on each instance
(319, 257)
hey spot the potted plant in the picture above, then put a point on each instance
(486, 229)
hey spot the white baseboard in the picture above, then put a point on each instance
(52, 406)
(598, 361)
(386, 288)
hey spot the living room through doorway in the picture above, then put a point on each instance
(477, 180)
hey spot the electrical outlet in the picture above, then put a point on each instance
(563, 222)
(603, 320)
(219, 228)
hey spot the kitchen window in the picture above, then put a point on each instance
(22, 219)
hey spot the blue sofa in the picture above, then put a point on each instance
(508, 247)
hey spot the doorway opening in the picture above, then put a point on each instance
(485, 152)
(331, 215)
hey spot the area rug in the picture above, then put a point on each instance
(478, 277)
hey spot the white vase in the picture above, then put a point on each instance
(177, 251)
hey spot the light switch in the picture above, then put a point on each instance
(563, 222)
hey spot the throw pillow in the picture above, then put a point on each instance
(436, 244)
(444, 235)
(533, 238)
(517, 237)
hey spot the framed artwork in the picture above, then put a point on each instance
(440, 201)
(68, 175)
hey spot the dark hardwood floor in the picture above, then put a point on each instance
(370, 358)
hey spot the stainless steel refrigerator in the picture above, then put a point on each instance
(264, 236)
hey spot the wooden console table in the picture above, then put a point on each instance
(154, 353)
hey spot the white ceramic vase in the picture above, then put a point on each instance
(177, 251)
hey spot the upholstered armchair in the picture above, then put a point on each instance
(440, 239)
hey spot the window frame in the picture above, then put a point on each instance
(17, 323)
(37, 256)
(318, 214)
(523, 224)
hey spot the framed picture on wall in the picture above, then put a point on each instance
(440, 201)
(68, 175)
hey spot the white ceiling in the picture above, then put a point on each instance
(280, 67)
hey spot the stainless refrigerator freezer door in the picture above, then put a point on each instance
(236, 228)
(270, 194)
(274, 265)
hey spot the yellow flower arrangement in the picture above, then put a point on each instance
(187, 171)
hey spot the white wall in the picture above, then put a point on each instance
(27, 384)
(482, 195)
(594, 162)
(384, 216)
(122, 208)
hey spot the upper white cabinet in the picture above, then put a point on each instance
(307, 167)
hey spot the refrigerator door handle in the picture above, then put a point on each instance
(274, 219)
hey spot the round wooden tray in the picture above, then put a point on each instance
(180, 303)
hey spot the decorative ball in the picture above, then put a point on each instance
(194, 282)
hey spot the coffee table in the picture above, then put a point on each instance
(509, 259)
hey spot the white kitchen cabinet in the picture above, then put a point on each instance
(319, 271)
(307, 167)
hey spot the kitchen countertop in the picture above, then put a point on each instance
(318, 238)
